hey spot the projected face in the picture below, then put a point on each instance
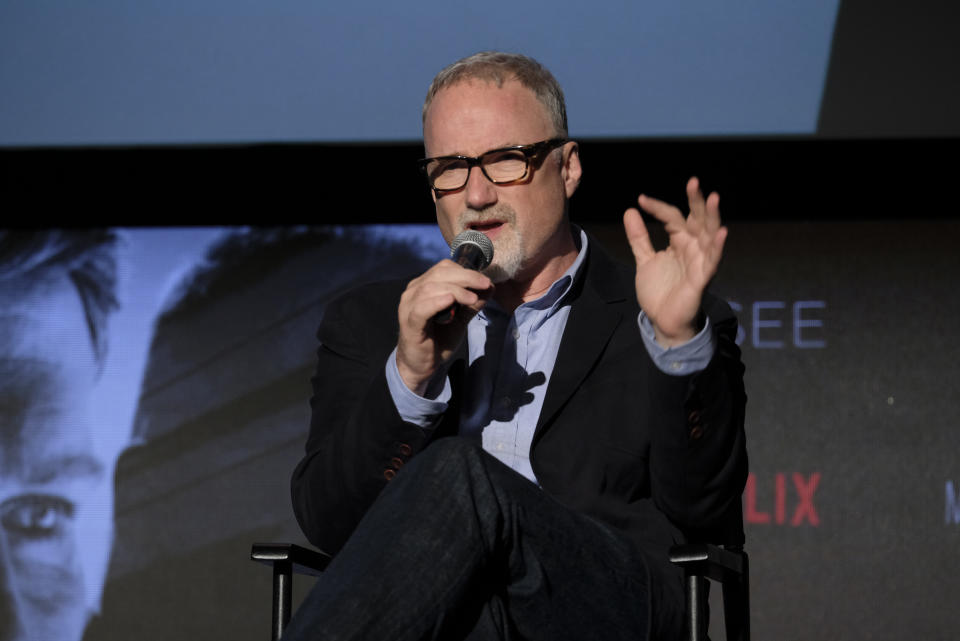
(526, 221)
(56, 495)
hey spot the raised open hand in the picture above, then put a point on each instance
(670, 282)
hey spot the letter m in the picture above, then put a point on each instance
(953, 504)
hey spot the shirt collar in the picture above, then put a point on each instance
(553, 298)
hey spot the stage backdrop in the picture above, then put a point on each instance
(834, 113)
(853, 503)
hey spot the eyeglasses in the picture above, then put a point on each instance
(501, 166)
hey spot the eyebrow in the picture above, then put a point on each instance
(463, 155)
(65, 468)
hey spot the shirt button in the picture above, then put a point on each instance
(676, 366)
(516, 333)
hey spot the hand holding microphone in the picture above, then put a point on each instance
(473, 250)
(427, 337)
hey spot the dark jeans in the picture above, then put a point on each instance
(459, 546)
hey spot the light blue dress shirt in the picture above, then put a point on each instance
(511, 359)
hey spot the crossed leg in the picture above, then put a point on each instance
(459, 546)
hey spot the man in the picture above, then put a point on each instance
(606, 435)
(57, 290)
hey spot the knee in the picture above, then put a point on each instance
(452, 450)
(449, 457)
(449, 469)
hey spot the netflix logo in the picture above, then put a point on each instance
(792, 501)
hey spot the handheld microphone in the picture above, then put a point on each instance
(473, 250)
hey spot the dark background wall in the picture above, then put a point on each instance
(851, 378)
(892, 71)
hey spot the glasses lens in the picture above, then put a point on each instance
(504, 166)
(447, 174)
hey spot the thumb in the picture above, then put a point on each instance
(637, 235)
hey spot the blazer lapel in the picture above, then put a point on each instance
(596, 311)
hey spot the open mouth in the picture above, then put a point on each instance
(486, 225)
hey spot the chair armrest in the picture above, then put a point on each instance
(711, 561)
(731, 568)
(286, 559)
(302, 560)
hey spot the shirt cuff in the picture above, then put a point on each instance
(420, 411)
(680, 360)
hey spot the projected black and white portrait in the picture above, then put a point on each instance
(76, 315)
(57, 294)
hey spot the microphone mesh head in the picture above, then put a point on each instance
(476, 238)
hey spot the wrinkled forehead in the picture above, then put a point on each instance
(473, 116)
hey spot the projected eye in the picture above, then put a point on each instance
(35, 516)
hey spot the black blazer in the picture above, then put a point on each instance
(661, 457)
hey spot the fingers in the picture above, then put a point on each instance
(637, 236)
(704, 212)
(696, 202)
(440, 287)
(704, 216)
(423, 345)
(718, 242)
(670, 216)
(697, 238)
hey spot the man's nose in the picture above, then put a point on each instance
(480, 192)
(11, 619)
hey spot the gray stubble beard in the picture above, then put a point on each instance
(508, 258)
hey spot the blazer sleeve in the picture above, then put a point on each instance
(698, 461)
(357, 439)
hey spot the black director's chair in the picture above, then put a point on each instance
(700, 561)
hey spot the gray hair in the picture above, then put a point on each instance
(499, 67)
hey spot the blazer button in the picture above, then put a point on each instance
(694, 417)
(405, 449)
(696, 432)
(389, 474)
(396, 463)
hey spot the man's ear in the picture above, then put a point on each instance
(571, 169)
